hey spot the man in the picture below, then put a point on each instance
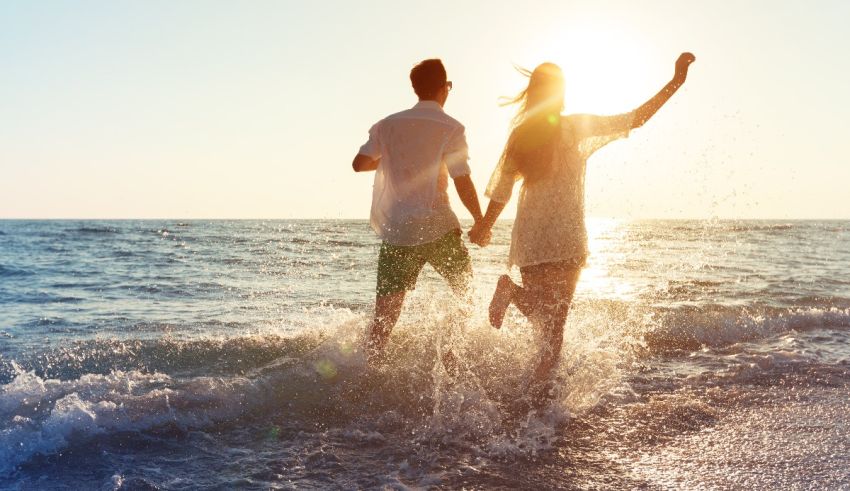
(414, 152)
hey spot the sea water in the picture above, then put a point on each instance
(228, 355)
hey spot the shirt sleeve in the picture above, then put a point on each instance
(456, 154)
(372, 147)
(593, 132)
(502, 181)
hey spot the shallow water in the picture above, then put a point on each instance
(226, 354)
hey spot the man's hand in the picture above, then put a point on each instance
(682, 64)
(480, 235)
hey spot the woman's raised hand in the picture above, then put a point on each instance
(682, 64)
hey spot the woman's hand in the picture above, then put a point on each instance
(682, 64)
(650, 107)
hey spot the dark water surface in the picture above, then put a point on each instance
(226, 354)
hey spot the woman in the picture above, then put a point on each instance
(548, 151)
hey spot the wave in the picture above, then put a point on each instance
(90, 389)
(779, 227)
(346, 243)
(223, 357)
(13, 272)
(641, 329)
(734, 226)
(41, 416)
(692, 328)
(39, 297)
(93, 229)
(99, 388)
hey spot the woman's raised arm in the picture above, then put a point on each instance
(650, 107)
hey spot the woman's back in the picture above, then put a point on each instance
(549, 225)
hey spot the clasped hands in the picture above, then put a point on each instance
(480, 234)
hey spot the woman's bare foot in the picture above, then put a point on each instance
(501, 299)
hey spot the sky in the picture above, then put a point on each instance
(208, 109)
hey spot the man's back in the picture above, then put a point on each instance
(419, 149)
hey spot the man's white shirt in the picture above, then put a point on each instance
(419, 149)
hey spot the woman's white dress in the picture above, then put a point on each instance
(549, 225)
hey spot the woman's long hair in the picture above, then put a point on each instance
(536, 130)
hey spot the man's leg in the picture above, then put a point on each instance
(387, 310)
(450, 259)
(398, 268)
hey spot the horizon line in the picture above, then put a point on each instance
(367, 219)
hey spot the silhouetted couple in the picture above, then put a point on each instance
(414, 152)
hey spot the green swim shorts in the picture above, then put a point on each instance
(399, 266)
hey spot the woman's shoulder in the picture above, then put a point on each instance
(574, 125)
(579, 126)
(578, 120)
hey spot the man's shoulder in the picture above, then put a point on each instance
(453, 121)
(429, 115)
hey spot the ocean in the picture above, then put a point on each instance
(166, 354)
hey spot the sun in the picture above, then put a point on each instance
(605, 66)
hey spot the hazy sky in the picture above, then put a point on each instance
(255, 109)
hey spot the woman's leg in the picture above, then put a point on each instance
(527, 298)
(502, 298)
(548, 294)
(508, 292)
(536, 290)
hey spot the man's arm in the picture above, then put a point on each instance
(466, 190)
(364, 163)
(650, 107)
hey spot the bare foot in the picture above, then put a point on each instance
(501, 299)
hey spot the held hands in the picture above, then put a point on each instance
(480, 235)
(682, 64)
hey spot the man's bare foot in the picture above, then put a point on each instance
(501, 299)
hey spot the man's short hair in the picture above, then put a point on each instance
(428, 77)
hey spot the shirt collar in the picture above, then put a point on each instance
(428, 105)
